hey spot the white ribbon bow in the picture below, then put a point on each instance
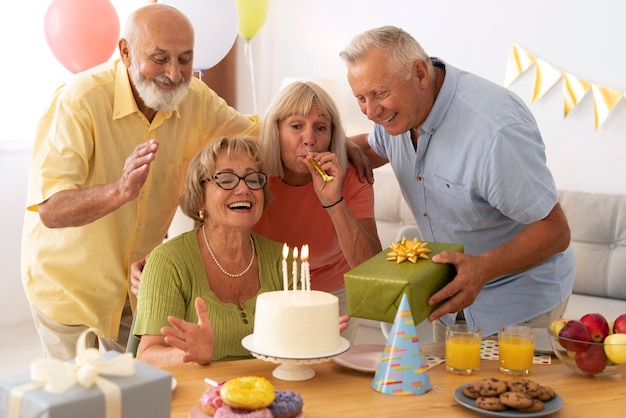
(57, 376)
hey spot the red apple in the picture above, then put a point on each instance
(597, 325)
(574, 330)
(593, 360)
(619, 325)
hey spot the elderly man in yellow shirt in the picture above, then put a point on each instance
(107, 169)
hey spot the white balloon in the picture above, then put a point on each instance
(215, 26)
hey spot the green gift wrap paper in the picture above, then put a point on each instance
(375, 287)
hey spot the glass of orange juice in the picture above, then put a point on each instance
(463, 348)
(517, 347)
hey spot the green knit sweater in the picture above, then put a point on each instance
(174, 276)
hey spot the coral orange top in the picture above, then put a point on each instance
(296, 217)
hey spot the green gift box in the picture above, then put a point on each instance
(375, 287)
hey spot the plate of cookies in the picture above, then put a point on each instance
(516, 397)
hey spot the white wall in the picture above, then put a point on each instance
(14, 157)
(30, 73)
(580, 37)
(303, 39)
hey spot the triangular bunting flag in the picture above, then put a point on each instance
(574, 89)
(519, 62)
(402, 370)
(545, 77)
(604, 100)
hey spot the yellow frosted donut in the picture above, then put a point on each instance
(249, 392)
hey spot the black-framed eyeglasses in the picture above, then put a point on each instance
(228, 181)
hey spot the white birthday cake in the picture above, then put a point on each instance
(297, 323)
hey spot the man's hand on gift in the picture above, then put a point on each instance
(471, 276)
(195, 340)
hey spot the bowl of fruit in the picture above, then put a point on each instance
(591, 345)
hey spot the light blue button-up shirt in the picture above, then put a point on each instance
(478, 177)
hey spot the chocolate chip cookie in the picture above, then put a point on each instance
(490, 387)
(491, 403)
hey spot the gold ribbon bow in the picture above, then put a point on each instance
(407, 250)
(57, 376)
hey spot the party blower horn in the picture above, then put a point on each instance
(402, 370)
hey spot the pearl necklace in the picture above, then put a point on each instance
(208, 247)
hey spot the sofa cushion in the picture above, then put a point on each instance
(392, 212)
(579, 305)
(598, 233)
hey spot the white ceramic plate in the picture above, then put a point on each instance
(174, 383)
(550, 406)
(364, 357)
(197, 412)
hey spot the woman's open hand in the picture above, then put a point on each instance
(195, 340)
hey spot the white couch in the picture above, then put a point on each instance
(598, 232)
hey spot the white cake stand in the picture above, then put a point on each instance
(295, 368)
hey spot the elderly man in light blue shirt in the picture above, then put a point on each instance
(471, 164)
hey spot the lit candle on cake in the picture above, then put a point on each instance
(285, 254)
(308, 270)
(295, 268)
(305, 267)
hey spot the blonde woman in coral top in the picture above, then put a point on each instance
(335, 218)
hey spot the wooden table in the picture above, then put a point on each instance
(337, 391)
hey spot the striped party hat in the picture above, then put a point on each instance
(401, 370)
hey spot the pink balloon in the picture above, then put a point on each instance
(81, 33)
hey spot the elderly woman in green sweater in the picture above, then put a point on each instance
(199, 289)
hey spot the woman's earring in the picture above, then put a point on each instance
(201, 215)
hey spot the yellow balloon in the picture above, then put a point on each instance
(252, 14)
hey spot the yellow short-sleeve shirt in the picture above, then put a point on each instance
(79, 275)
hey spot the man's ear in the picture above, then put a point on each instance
(420, 69)
(125, 52)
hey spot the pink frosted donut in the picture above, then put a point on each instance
(210, 400)
(287, 404)
(228, 412)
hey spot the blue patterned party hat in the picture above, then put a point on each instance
(402, 370)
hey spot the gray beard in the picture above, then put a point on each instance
(153, 96)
